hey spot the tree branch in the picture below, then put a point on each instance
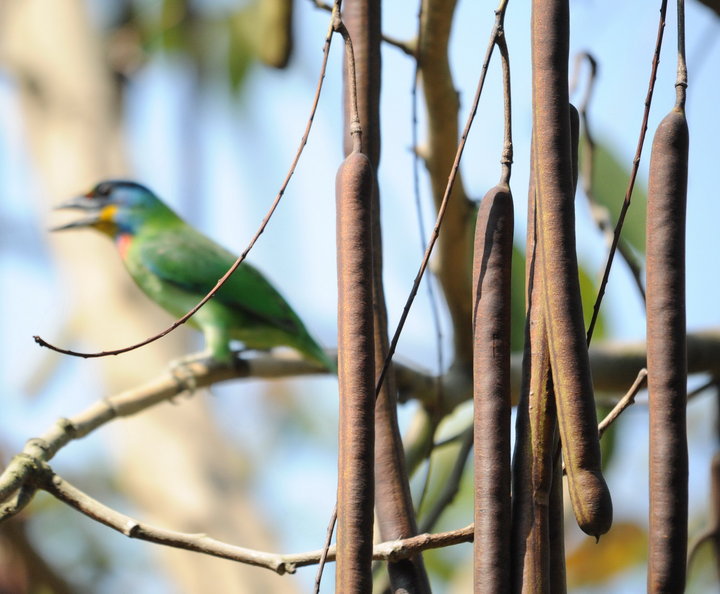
(393, 550)
(614, 366)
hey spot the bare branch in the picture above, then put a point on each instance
(623, 403)
(202, 373)
(614, 365)
(393, 550)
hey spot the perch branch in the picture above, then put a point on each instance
(614, 365)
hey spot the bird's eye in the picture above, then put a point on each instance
(102, 191)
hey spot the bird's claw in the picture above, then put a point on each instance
(184, 375)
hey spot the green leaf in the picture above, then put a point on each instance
(517, 304)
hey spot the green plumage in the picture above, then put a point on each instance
(176, 266)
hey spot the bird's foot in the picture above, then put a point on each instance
(182, 372)
(185, 369)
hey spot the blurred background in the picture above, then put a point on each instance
(180, 96)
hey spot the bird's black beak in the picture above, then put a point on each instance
(88, 204)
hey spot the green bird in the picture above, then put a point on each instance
(176, 266)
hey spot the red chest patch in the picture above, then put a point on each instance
(123, 244)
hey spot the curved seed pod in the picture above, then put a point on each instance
(589, 493)
(667, 354)
(491, 371)
(356, 375)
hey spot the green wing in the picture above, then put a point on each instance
(194, 263)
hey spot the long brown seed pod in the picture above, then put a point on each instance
(538, 548)
(556, 507)
(535, 441)
(589, 494)
(356, 375)
(491, 371)
(393, 501)
(667, 354)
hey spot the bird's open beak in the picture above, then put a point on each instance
(88, 205)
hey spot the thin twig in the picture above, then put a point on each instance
(507, 153)
(682, 75)
(407, 47)
(325, 550)
(623, 403)
(243, 255)
(633, 173)
(355, 128)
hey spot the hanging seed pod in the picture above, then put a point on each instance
(667, 354)
(538, 548)
(393, 502)
(356, 375)
(534, 429)
(575, 403)
(491, 372)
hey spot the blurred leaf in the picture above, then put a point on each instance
(609, 438)
(173, 25)
(215, 42)
(610, 179)
(517, 305)
(588, 293)
(441, 464)
(620, 549)
(275, 41)
(241, 49)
